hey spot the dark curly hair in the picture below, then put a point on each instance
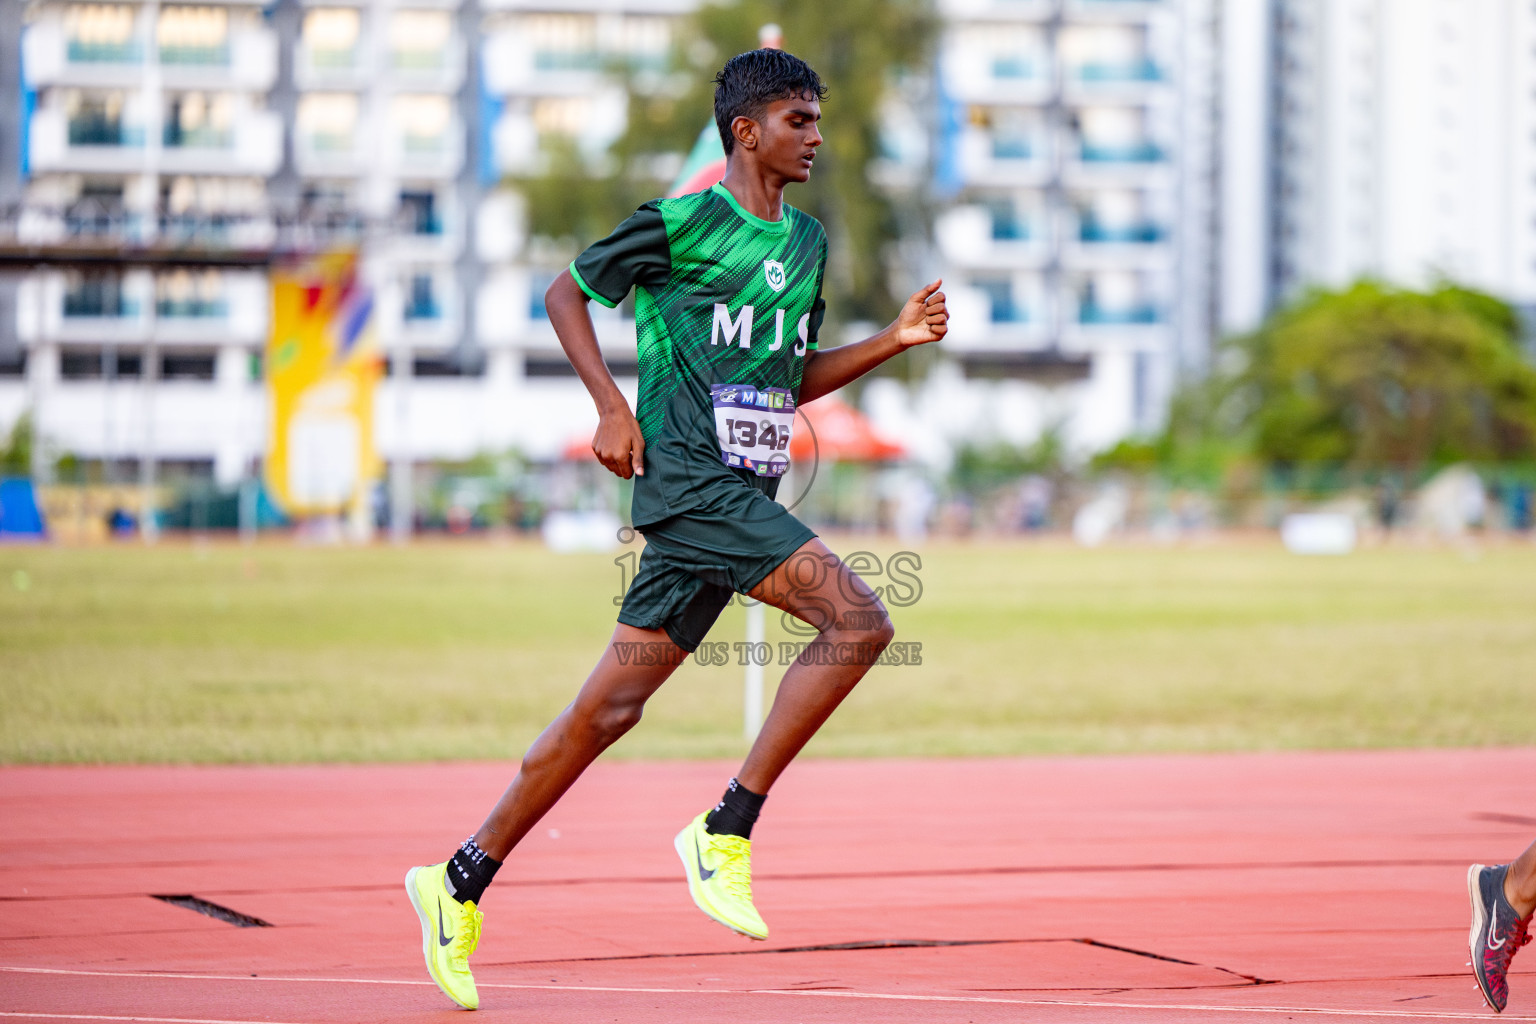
(752, 80)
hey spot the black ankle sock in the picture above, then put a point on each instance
(470, 870)
(736, 812)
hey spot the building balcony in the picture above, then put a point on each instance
(1031, 10)
(979, 77)
(331, 153)
(432, 236)
(1135, 164)
(84, 145)
(440, 69)
(585, 6)
(331, 68)
(974, 236)
(1143, 152)
(1133, 82)
(420, 306)
(51, 57)
(1142, 233)
(86, 131)
(438, 156)
(1106, 72)
(982, 320)
(99, 311)
(87, 145)
(252, 145)
(1114, 10)
(512, 68)
(80, 52)
(1091, 314)
(192, 309)
(988, 159)
(96, 309)
(247, 59)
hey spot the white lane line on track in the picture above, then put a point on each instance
(1315, 1011)
(152, 1020)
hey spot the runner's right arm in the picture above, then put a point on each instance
(618, 443)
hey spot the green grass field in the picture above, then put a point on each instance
(279, 653)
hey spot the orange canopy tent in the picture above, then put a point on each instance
(578, 449)
(839, 433)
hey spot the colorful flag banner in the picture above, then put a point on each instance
(322, 369)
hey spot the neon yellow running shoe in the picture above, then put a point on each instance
(719, 870)
(450, 931)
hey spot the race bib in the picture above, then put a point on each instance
(754, 427)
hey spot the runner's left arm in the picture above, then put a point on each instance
(924, 319)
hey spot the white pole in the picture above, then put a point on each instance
(752, 686)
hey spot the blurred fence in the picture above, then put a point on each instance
(514, 495)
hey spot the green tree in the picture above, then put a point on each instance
(1375, 376)
(857, 46)
(1369, 377)
(16, 453)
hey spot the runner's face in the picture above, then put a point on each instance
(789, 137)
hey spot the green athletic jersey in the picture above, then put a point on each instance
(726, 307)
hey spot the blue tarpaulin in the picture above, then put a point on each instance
(20, 518)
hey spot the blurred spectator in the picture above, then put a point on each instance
(1388, 502)
(1518, 500)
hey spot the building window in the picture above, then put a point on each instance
(327, 121)
(999, 292)
(92, 293)
(418, 40)
(188, 366)
(100, 364)
(330, 37)
(183, 294)
(421, 301)
(418, 213)
(423, 122)
(562, 42)
(557, 366)
(96, 119)
(199, 120)
(193, 35)
(447, 364)
(101, 34)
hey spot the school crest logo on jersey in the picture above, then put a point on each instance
(773, 270)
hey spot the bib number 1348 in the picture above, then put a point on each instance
(754, 426)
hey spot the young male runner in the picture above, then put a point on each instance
(1503, 899)
(727, 308)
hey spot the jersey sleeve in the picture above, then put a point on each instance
(819, 310)
(636, 253)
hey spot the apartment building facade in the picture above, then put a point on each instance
(1070, 163)
(1074, 162)
(1398, 141)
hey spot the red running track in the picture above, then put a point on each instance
(1252, 888)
